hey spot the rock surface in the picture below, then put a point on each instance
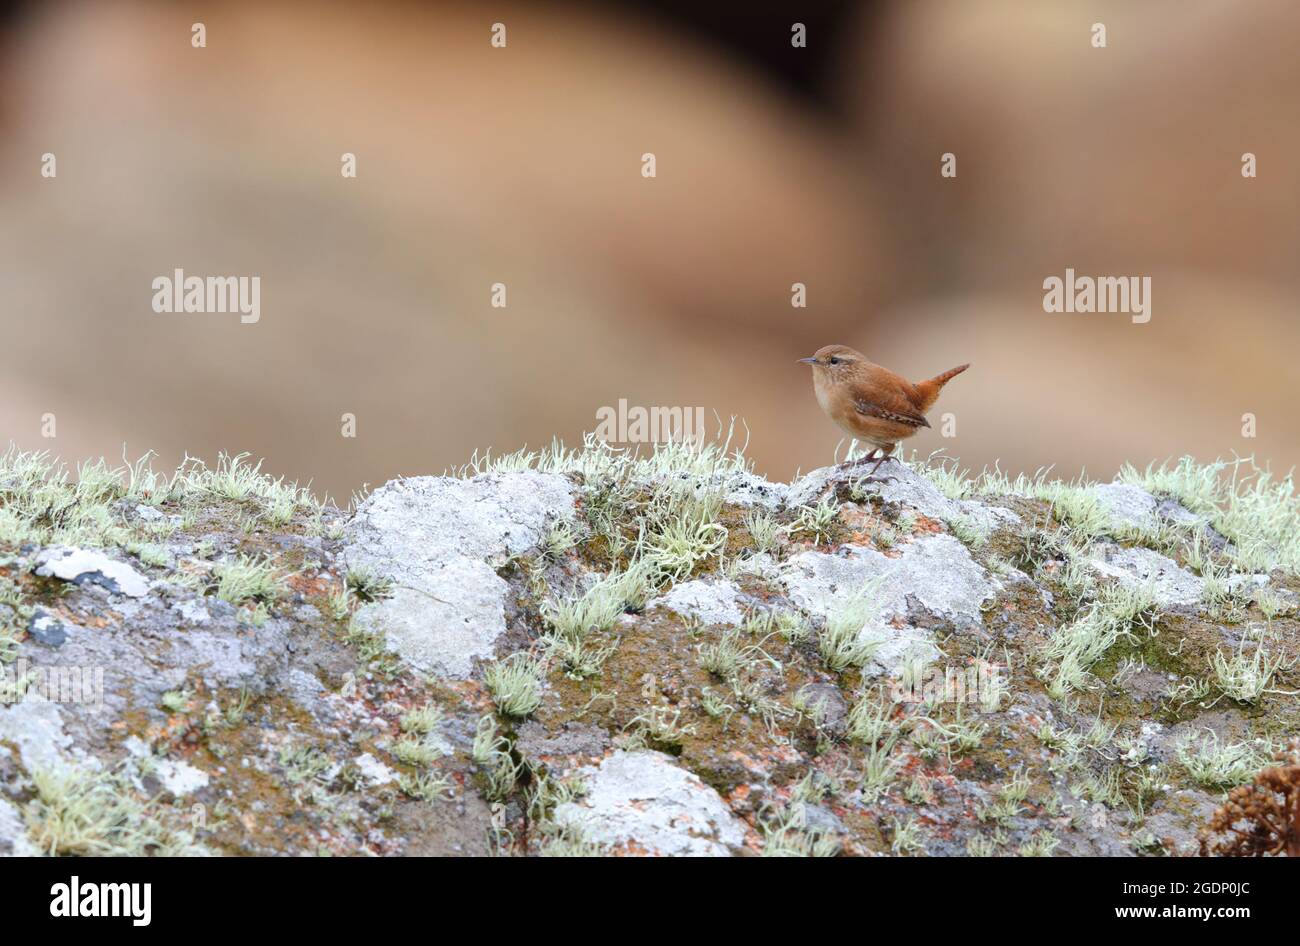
(1143, 568)
(438, 541)
(934, 573)
(712, 602)
(641, 803)
(247, 671)
(88, 565)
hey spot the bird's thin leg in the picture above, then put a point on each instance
(866, 459)
(884, 455)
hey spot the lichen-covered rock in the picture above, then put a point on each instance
(13, 833)
(446, 622)
(933, 576)
(46, 628)
(438, 541)
(827, 702)
(710, 602)
(1126, 504)
(34, 726)
(177, 777)
(934, 573)
(572, 740)
(746, 490)
(418, 522)
(894, 648)
(239, 669)
(900, 485)
(1137, 567)
(89, 565)
(642, 803)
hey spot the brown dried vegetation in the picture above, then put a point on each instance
(1262, 818)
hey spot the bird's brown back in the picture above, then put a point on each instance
(891, 391)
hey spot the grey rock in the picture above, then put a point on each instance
(1224, 725)
(712, 602)
(1177, 822)
(761, 565)
(374, 771)
(427, 520)
(832, 706)
(820, 819)
(453, 617)
(738, 487)
(750, 490)
(572, 739)
(1131, 505)
(934, 572)
(643, 802)
(194, 611)
(439, 540)
(180, 778)
(1174, 511)
(177, 777)
(35, 727)
(1137, 567)
(13, 833)
(1127, 504)
(809, 488)
(896, 647)
(1145, 686)
(902, 486)
(147, 648)
(148, 513)
(303, 687)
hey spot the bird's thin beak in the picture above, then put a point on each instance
(807, 361)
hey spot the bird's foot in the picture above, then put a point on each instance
(872, 476)
(867, 458)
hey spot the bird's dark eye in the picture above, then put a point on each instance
(834, 360)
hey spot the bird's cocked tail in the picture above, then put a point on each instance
(927, 392)
(940, 380)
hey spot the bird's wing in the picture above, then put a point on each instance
(889, 406)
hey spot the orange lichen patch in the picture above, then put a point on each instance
(175, 727)
(859, 518)
(15, 575)
(472, 693)
(96, 621)
(911, 765)
(762, 760)
(312, 587)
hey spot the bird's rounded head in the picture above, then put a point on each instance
(835, 359)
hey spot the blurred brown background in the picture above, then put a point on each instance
(522, 165)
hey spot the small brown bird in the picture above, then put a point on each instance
(871, 403)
